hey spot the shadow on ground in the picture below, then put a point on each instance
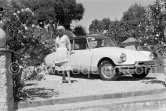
(94, 77)
(31, 84)
(154, 82)
(44, 93)
(79, 75)
(85, 76)
(130, 78)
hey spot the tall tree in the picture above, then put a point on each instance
(95, 26)
(134, 12)
(118, 31)
(131, 24)
(135, 20)
(156, 20)
(79, 30)
(105, 23)
(60, 11)
(98, 26)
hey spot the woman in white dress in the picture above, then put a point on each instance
(61, 57)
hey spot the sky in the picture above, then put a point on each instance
(112, 9)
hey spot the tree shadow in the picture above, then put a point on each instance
(154, 82)
(85, 76)
(146, 80)
(130, 78)
(79, 75)
(97, 76)
(43, 93)
(31, 84)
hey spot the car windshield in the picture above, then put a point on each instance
(100, 42)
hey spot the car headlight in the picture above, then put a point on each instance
(123, 57)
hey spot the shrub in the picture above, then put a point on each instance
(29, 42)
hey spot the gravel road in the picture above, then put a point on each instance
(84, 86)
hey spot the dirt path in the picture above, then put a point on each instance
(52, 87)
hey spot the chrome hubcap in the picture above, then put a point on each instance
(107, 70)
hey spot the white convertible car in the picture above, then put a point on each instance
(99, 55)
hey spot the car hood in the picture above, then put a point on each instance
(115, 52)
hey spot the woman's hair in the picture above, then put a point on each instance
(61, 28)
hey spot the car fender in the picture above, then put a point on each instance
(96, 59)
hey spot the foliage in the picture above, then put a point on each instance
(117, 30)
(60, 11)
(134, 12)
(156, 20)
(24, 39)
(131, 25)
(105, 23)
(79, 30)
(98, 26)
(27, 41)
(18, 88)
(28, 38)
(33, 73)
(26, 17)
(3, 2)
(146, 24)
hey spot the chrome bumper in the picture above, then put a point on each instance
(148, 64)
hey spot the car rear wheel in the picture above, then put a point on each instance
(141, 72)
(107, 71)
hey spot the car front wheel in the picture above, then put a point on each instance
(107, 71)
(141, 72)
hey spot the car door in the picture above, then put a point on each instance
(81, 55)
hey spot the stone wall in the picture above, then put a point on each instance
(6, 82)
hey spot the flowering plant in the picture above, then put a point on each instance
(29, 43)
(26, 38)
